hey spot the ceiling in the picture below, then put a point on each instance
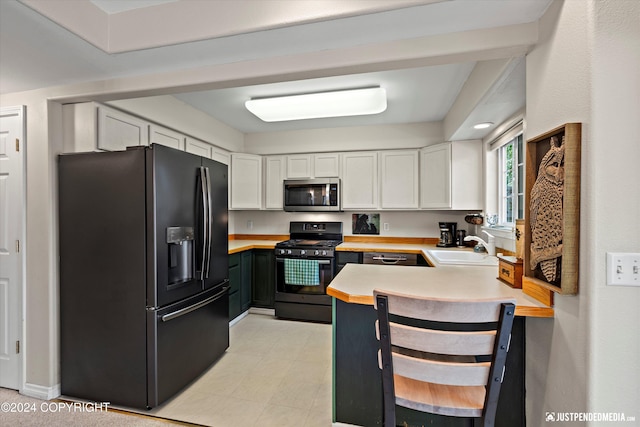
(47, 43)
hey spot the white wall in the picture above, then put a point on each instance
(613, 203)
(412, 135)
(586, 69)
(173, 113)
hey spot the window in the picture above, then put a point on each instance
(511, 181)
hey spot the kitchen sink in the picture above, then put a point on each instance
(456, 257)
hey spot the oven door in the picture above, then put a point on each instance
(306, 293)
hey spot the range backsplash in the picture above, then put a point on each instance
(400, 224)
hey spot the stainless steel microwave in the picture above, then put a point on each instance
(312, 195)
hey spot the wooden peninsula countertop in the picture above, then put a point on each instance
(355, 284)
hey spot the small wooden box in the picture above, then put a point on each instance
(510, 271)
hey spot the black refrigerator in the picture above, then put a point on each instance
(144, 304)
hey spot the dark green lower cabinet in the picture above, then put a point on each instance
(263, 288)
(240, 283)
(252, 279)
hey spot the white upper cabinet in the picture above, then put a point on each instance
(299, 166)
(197, 147)
(118, 130)
(274, 175)
(435, 176)
(220, 155)
(320, 165)
(451, 176)
(466, 175)
(326, 165)
(163, 136)
(399, 179)
(360, 180)
(246, 181)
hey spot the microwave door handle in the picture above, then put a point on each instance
(205, 214)
(209, 219)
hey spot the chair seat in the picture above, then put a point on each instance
(457, 401)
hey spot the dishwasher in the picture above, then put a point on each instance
(385, 258)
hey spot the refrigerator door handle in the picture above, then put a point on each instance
(194, 307)
(209, 226)
(205, 222)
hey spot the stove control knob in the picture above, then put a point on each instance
(302, 252)
(324, 253)
(316, 252)
(288, 251)
(281, 251)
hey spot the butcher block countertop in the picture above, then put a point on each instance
(355, 284)
(236, 246)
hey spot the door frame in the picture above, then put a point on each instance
(18, 311)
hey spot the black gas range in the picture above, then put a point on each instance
(305, 265)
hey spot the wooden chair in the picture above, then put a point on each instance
(442, 356)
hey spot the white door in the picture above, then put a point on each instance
(12, 197)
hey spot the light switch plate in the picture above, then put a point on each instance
(623, 269)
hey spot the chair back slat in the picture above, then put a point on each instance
(442, 342)
(442, 310)
(439, 372)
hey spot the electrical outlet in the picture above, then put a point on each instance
(250, 225)
(385, 226)
(623, 269)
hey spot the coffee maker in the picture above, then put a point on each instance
(447, 234)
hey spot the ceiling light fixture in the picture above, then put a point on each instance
(483, 125)
(352, 102)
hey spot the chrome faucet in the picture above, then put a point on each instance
(489, 245)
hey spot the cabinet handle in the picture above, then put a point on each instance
(506, 272)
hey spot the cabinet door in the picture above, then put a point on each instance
(220, 155)
(399, 179)
(299, 166)
(435, 176)
(197, 147)
(360, 180)
(466, 175)
(246, 181)
(274, 176)
(245, 286)
(235, 282)
(264, 279)
(164, 136)
(326, 165)
(118, 130)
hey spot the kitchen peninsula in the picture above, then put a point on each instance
(357, 380)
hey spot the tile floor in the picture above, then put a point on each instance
(275, 373)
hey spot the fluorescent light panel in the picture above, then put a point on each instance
(353, 102)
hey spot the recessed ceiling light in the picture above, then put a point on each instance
(482, 125)
(353, 102)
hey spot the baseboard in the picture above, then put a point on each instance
(238, 318)
(41, 392)
(265, 311)
(343, 425)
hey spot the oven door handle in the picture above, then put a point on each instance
(320, 261)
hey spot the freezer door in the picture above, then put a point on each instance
(184, 340)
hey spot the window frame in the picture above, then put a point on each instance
(517, 186)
